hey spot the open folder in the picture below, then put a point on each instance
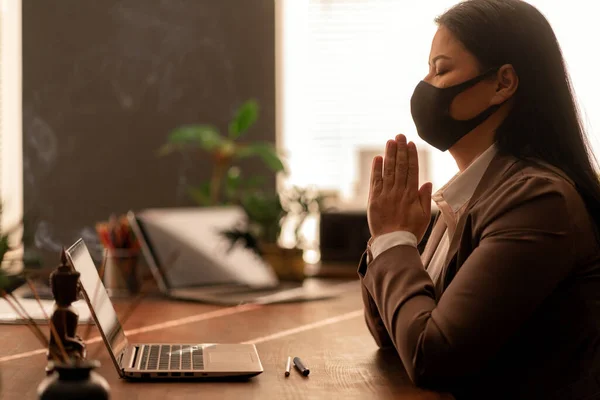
(8, 315)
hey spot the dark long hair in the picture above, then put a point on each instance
(544, 122)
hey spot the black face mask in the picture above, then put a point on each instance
(430, 108)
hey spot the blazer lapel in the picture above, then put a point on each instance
(499, 165)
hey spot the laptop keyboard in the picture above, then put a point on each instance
(172, 357)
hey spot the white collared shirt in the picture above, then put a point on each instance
(451, 200)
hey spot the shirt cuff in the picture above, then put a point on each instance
(389, 240)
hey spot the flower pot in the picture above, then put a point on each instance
(122, 273)
(74, 380)
(288, 264)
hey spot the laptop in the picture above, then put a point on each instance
(191, 259)
(156, 360)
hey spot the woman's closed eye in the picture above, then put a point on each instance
(441, 67)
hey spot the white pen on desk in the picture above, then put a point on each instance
(288, 366)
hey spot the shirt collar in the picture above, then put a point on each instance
(459, 190)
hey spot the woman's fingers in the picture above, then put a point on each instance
(376, 177)
(401, 163)
(389, 165)
(399, 169)
(412, 175)
(425, 198)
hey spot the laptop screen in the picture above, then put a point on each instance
(148, 251)
(190, 247)
(97, 298)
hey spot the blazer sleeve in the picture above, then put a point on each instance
(372, 317)
(522, 256)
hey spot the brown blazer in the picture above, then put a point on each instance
(517, 312)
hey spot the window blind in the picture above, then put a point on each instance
(11, 160)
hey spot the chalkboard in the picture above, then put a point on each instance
(103, 84)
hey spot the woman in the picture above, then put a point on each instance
(504, 302)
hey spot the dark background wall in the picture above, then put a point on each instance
(103, 84)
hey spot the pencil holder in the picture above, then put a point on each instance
(122, 275)
(288, 264)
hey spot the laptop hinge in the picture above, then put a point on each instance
(133, 358)
(120, 358)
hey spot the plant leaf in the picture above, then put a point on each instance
(262, 207)
(265, 213)
(232, 182)
(266, 151)
(245, 117)
(4, 247)
(206, 137)
(254, 182)
(200, 194)
(3, 280)
(12, 282)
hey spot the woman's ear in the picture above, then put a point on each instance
(507, 85)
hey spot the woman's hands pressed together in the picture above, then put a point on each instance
(396, 203)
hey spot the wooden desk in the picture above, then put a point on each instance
(329, 335)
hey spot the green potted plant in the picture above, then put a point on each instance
(265, 218)
(267, 213)
(226, 183)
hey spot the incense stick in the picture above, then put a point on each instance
(26, 316)
(29, 322)
(53, 330)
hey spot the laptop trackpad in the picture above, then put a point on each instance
(231, 357)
